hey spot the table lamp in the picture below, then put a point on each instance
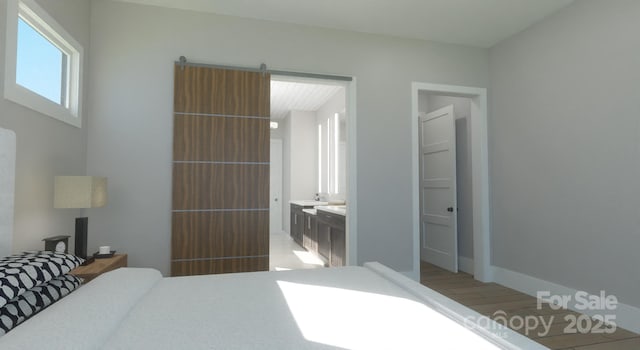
(80, 192)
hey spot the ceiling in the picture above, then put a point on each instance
(295, 96)
(479, 23)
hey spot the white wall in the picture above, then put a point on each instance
(303, 154)
(130, 136)
(277, 133)
(285, 126)
(46, 147)
(564, 141)
(462, 110)
(300, 164)
(7, 189)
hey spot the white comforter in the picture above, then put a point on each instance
(367, 307)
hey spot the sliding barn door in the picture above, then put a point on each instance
(220, 219)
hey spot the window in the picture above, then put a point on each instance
(40, 65)
(43, 63)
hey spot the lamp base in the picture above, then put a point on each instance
(81, 237)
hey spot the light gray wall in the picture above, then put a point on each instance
(7, 186)
(277, 133)
(462, 110)
(300, 160)
(46, 147)
(564, 141)
(130, 136)
(285, 125)
(303, 155)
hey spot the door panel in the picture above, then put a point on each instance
(433, 199)
(230, 265)
(197, 234)
(220, 220)
(220, 186)
(205, 138)
(338, 244)
(324, 239)
(206, 90)
(438, 219)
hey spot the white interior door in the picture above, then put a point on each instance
(275, 187)
(438, 213)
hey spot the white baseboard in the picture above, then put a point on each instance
(627, 316)
(465, 264)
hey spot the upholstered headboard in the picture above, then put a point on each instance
(7, 183)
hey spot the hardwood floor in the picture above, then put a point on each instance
(495, 301)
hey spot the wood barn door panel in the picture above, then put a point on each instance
(256, 136)
(200, 235)
(198, 90)
(220, 186)
(220, 220)
(247, 93)
(205, 267)
(203, 138)
(205, 90)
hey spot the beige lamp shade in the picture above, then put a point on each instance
(80, 192)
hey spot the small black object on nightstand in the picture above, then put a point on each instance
(97, 255)
(58, 244)
(88, 260)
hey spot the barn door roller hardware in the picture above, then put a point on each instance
(182, 62)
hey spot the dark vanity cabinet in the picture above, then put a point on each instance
(324, 239)
(310, 235)
(338, 246)
(322, 234)
(331, 237)
(297, 223)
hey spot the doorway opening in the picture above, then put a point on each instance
(310, 157)
(472, 204)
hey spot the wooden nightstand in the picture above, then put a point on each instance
(100, 266)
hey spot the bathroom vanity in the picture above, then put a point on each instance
(320, 228)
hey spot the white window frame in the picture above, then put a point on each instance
(40, 20)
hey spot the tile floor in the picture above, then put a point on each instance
(285, 254)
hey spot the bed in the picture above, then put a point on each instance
(369, 307)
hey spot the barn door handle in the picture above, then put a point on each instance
(450, 209)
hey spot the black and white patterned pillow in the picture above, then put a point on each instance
(19, 273)
(19, 309)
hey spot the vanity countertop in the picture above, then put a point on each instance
(307, 202)
(310, 211)
(334, 209)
